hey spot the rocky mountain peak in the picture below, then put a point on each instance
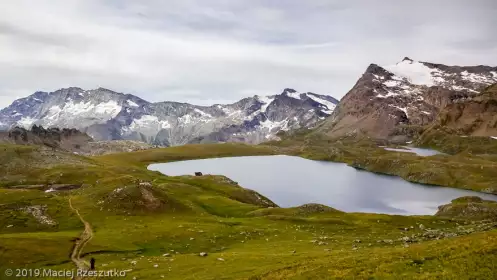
(407, 93)
(408, 59)
(377, 70)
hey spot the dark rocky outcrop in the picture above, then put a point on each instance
(54, 138)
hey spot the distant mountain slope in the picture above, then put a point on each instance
(107, 115)
(410, 92)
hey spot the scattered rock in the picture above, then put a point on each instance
(220, 259)
(39, 213)
(203, 254)
(421, 227)
(156, 265)
(166, 255)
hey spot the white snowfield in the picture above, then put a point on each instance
(418, 73)
(100, 112)
(415, 72)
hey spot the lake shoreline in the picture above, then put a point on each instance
(386, 186)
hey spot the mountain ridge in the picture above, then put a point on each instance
(108, 115)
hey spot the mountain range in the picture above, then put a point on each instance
(107, 115)
(385, 103)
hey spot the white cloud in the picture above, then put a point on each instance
(202, 51)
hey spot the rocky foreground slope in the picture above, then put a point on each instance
(408, 93)
(107, 115)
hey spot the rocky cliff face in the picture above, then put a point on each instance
(407, 93)
(475, 116)
(107, 115)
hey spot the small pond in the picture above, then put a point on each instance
(419, 151)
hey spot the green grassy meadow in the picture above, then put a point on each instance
(155, 226)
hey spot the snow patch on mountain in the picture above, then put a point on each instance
(461, 88)
(131, 103)
(274, 126)
(403, 109)
(266, 100)
(392, 83)
(389, 94)
(475, 78)
(295, 95)
(149, 121)
(202, 113)
(103, 111)
(330, 105)
(415, 72)
(26, 122)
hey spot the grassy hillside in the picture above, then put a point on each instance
(156, 226)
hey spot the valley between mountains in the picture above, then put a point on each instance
(73, 170)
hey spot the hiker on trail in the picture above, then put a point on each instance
(92, 263)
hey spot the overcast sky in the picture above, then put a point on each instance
(218, 51)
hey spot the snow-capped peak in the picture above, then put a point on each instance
(414, 71)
